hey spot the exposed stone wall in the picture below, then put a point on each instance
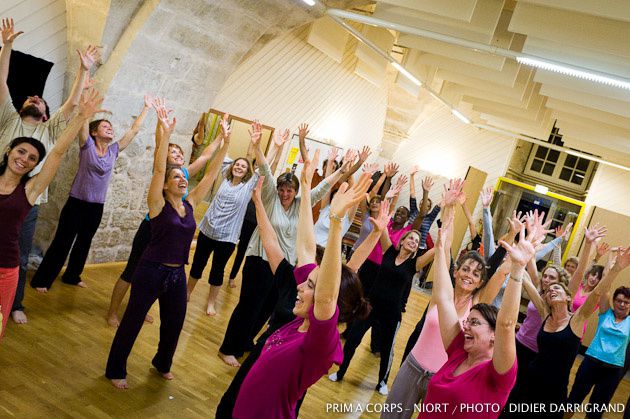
(181, 50)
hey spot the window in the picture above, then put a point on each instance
(574, 169)
(559, 168)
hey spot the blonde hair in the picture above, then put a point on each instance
(405, 236)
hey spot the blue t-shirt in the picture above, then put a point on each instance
(611, 339)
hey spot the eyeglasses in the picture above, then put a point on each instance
(622, 302)
(472, 322)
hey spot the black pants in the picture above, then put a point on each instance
(367, 274)
(243, 241)
(152, 281)
(524, 357)
(78, 223)
(256, 302)
(26, 242)
(390, 323)
(205, 247)
(604, 377)
(140, 242)
(226, 405)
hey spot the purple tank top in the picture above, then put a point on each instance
(171, 236)
(528, 332)
(14, 208)
(92, 179)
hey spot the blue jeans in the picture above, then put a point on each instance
(26, 242)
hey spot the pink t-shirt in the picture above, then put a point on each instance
(289, 364)
(429, 350)
(480, 392)
(376, 255)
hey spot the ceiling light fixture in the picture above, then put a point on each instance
(309, 2)
(406, 73)
(573, 72)
(460, 116)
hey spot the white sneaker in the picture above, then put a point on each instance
(382, 389)
(333, 377)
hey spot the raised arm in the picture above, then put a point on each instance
(203, 187)
(504, 354)
(604, 301)
(363, 156)
(585, 311)
(268, 236)
(131, 133)
(329, 170)
(86, 61)
(489, 292)
(390, 169)
(329, 278)
(302, 133)
(207, 153)
(486, 220)
(155, 197)
(365, 248)
(269, 187)
(590, 236)
(443, 294)
(278, 142)
(8, 36)
(535, 297)
(305, 242)
(425, 259)
(90, 103)
(427, 184)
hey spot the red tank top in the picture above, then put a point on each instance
(14, 208)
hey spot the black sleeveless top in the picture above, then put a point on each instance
(548, 373)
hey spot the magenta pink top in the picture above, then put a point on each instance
(429, 350)
(376, 255)
(289, 364)
(578, 301)
(528, 332)
(480, 384)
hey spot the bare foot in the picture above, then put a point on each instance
(166, 375)
(19, 317)
(148, 318)
(113, 321)
(232, 283)
(229, 359)
(120, 383)
(82, 284)
(210, 310)
(42, 290)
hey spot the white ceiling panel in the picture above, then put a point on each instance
(618, 10)
(454, 9)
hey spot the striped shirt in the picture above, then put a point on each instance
(224, 217)
(426, 226)
(284, 222)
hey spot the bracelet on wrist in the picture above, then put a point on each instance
(335, 217)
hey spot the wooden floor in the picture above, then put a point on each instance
(54, 365)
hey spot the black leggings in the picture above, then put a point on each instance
(389, 323)
(259, 295)
(222, 252)
(243, 242)
(78, 220)
(595, 373)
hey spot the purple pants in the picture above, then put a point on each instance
(152, 281)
